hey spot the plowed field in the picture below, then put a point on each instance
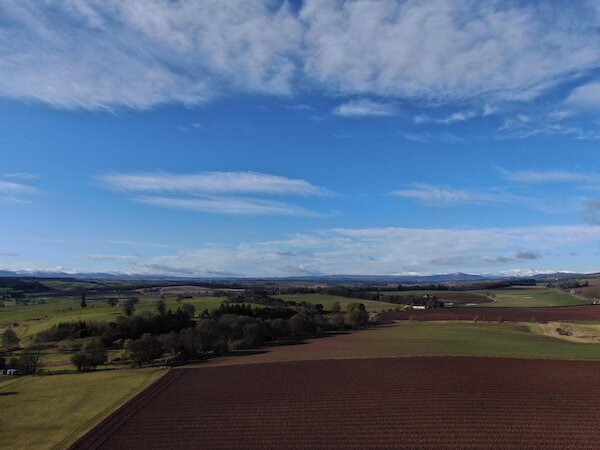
(564, 314)
(437, 402)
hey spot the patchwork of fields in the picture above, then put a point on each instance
(406, 339)
(445, 377)
(379, 403)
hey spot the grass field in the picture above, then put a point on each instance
(534, 297)
(426, 339)
(328, 300)
(52, 411)
(515, 297)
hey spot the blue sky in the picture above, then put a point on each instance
(317, 137)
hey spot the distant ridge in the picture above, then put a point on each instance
(407, 279)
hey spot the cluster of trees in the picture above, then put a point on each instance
(10, 340)
(175, 336)
(93, 354)
(373, 292)
(569, 284)
(124, 327)
(28, 361)
(224, 332)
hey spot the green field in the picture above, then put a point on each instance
(427, 338)
(328, 300)
(407, 339)
(52, 411)
(533, 296)
(414, 292)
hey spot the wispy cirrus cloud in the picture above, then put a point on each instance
(446, 196)
(550, 125)
(216, 192)
(365, 108)
(15, 192)
(228, 205)
(455, 117)
(104, 54)
(549, 176)
(113, 257)
(212, 183)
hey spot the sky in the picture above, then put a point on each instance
(294, 138)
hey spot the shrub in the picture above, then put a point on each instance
(81, 361)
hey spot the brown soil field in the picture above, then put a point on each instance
(455, 297)
(552, 314)
(425, 403)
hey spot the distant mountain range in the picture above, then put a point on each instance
(409, 279)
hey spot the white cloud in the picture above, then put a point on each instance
(523, 126)
(19, 175)
(110, 53)
(100, 54)
(586, 96)
(445, 196)
(459, 116)
(364, 108)
(383, 251)
(443, 50)
(9, 187)
(560, 114)
(488, 110)
(227, 205)
(112, 257)
(13, 192)
(216, 192)
(206, 183)
(541, 176)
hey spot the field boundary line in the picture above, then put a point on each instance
(106, 412)
(98, 435)
(417, 356)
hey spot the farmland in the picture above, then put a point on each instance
(532, 297)
(457, 297)
(406, 339)
(299, 341)
(33, 318)
(565, 314)
(414, 403)
(328, 300)
(43, 412)
(529, 296)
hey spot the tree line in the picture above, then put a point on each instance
(179, 336)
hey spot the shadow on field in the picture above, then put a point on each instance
(2, 394)
(268, 346)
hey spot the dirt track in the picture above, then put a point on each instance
(379, 403)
